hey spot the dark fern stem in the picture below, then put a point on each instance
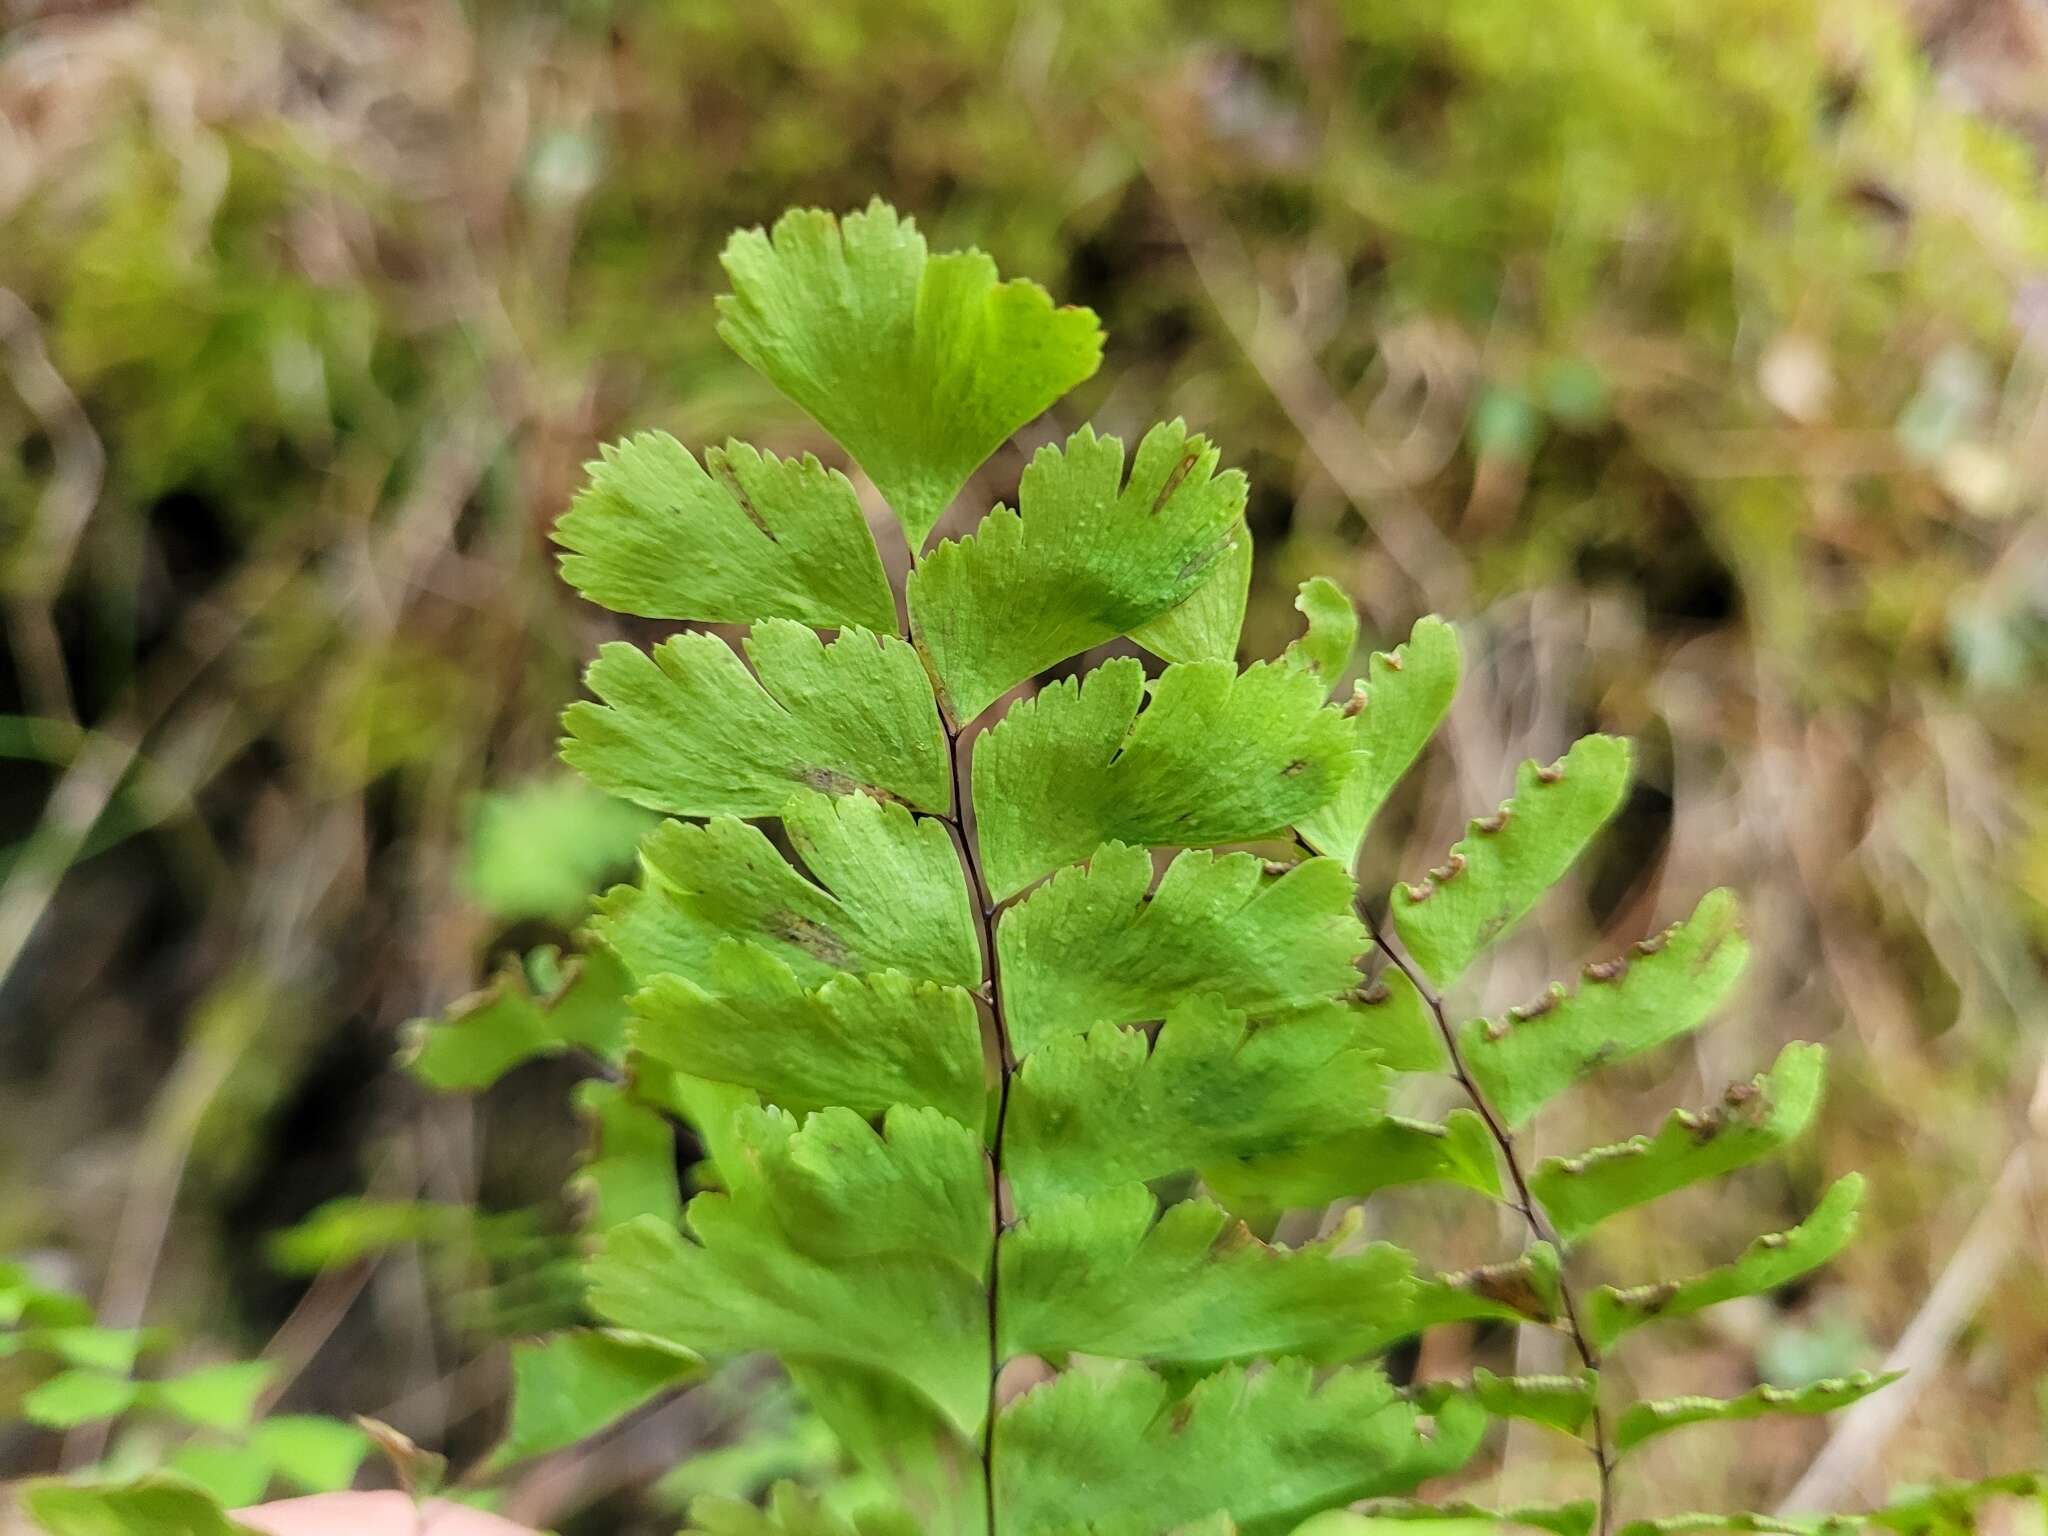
(1526, 1203)
(985, 913)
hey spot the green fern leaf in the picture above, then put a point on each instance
(848, 1194)
(864, 1041)
(1332, 635)
(1701, 1524)
(1952, 1507)
(1768, 1263)
(791, 1512)
(1116, 1453)
(1946, 1508)
(1529, 1055)
(221, 1397)
(742, 537)
(1097, 945)
(1647, 1420)
(921, 366)
(1753, 1120)
(312, 1454)
(579, 1382)
(1562, 1403)
(1112, 1274)
(833, 1234)
(1353, 1164)
(886, 892)
(1084, 559)
(687, 729)
(1506, 861)
(1206, 627)
(152, 1506)
(931, 1469)
(1400, 1025)
(1453, 1517)
(1402, 700)
(490, 1032)
(1218, 756)
(82, 1396)
(629, 1168)
(1089, 1112)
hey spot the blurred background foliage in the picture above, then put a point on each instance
(1693, 357)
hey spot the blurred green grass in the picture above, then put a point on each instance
(1695, 359)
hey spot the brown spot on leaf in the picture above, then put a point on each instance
(1355, 705)
(1176, 479)
(1295, 769)
(1509, 1285)
(810, 936)
(1535, 1010)
(1607, 970)
(1492, 824)
(1551, 774)
(731, 481)
(1649, 1300)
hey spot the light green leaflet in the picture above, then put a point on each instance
(1766, 1264)
(1753, 1120)
(1114, 1453)
(1207, 625)
(1645, 1421)
(1097, 945)
(221, 1397)
(1332, 634)
(1401, 701)
(921, 366)
(538, 848)
(1089, 1112)
(485, 1035)
(1507, 860)
(887, 892)
(1354, 1163)
(1218, 756)
(846, 1194)
(833, 1235)
(570, 1385)
(1946, 1509)
(156, 1506)
(689, 730)
(1111, 1274)
(931, 1468)
(1453, 1517)
(742, 537)
(863, 1041)
(1400, 1025)
(1562, 1403)
(306, 1454)
(629, 1163)
(791, 1511)
(1666, 988)
(1084, 559)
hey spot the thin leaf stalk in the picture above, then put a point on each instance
(1525, 1202)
